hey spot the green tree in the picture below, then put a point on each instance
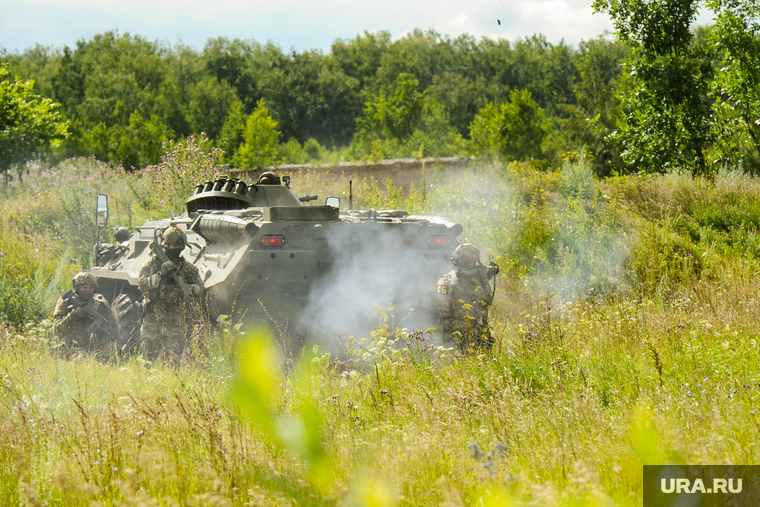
(260, 138)
(515, 130)
(102, 82)
(593, 120)
(140, 143)
(239, 63)
(398, 116)
(736, 36)
(666, 120)
(231, 136)
(361, 57)
(28, 122)
(209, 102)
(410, 123)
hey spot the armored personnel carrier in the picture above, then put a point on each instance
(265, 255)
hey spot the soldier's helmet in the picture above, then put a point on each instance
(173, 235)
(268, 178)
(465, 256)
(83, 278)
(121, 234)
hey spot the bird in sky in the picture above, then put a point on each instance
(498, 21)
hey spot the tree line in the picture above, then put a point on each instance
(369, 97)
(659, 94)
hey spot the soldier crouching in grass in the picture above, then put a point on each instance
(464, 295)
(169, 310)
(84, 321)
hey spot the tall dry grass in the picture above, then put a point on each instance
(625, 321)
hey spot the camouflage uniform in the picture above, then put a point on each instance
(464, 295)
(168, 314)
(85, 325)
(104, 252)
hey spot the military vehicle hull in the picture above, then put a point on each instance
(266, 257)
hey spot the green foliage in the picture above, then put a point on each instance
(231, 136)
(616, 384)
(185, 164)
(111, 87)
(260, 139)
(666, 120)
(310, 153)
(48, 231)
(395, 117)
(516, 130)
(209, 105)
(291, 152)
(135, 145)
(313, 150)
(691, 99)
(177, 91)
(30, 274)
(407, 124)
(27, 122)
(300, 429)
(736, 90)
(594, 118)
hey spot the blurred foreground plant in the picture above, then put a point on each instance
(299, 429)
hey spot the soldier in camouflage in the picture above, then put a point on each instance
(464, 295)
(104, 252)
(169, 314)
(83, 320)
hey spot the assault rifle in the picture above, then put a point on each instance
(494, 268)
(162, 257)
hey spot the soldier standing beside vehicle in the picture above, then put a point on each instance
(169, 310)
(83, 320)
(464, 295)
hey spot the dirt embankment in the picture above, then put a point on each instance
(403, 171)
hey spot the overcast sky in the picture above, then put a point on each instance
(297, 24)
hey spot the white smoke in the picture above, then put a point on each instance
(375, 270)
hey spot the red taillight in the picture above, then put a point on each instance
(438, 240)
(272, 240)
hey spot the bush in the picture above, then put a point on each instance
(515, 130)
(186, 163)
(260, 139)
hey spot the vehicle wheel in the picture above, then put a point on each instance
(127, 311)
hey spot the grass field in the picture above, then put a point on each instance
(626, 325)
